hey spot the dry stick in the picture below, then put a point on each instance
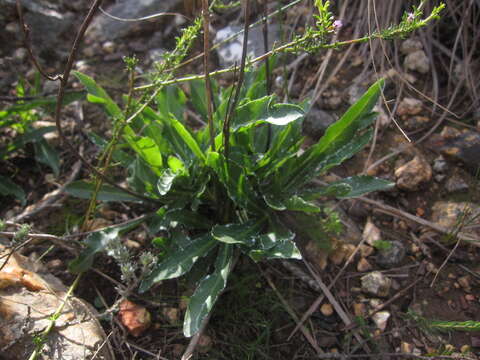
(393, 355)
(394, 297)
(208, 84)
(231, 109)
(195, 338)
(343, 315)
(397, 212)
(54, 239)
(233, 36)
(319, 299)
(317, 92)
(61, 91)
(28, 45)
(304, 330)
(51, 197)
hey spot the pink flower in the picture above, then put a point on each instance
(410, 17)
(337, 24)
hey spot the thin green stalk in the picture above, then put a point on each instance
(208, 84)
(42, 338)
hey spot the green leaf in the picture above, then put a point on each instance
(236, 182)
(294, 203)
(84, 190)
(237, 233)
(207, 292)
(118, 155)
(171, 100)
(179, 262)
(165, 181)
(148, 150)
(198, 97)
(46, 102)
(97, 93)
(283, 114)
(187, 138)
(341, 140)
(360, 185)
(45, 154)
(276, 243)
(8, 187)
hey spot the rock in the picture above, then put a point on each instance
(204, 344)
(409, 106)
(366, 251)
(456, 182)
(382, 117)
(326, 309)
(460, 146)
(155, 54)
(27, 299)
(108, 47)
(381, 319)
(359, 309)
(316, 122)
(134, 317)
(230, 52)
(406, 347)
(172, 314)
(417, 61)
(105, 28)
(440, 165)
(316, 255)
(416, 122)
(363, 265)
(465, 282)
(449, 215)
(355, 92)
(410, 45)
(13, 28)
(20, 54)
(375, 283)
(391, 256)
(371, 233)
(412, 174)
(47, 24)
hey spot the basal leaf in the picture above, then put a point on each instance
(84, 190)
(8, 187)
(360, 185)
(179, 262)
(283, 114)
(207, 292)
(237, 233)
(97, 91)
(45, 154)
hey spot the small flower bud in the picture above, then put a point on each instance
(337, 24)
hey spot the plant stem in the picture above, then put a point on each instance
(208, 84)
(54, 317)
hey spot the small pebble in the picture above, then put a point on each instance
(326, 309)
(363, 265)
(108, 47)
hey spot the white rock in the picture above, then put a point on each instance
(412, 174)
(381, 319)
(417, 61)
(375, 283)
